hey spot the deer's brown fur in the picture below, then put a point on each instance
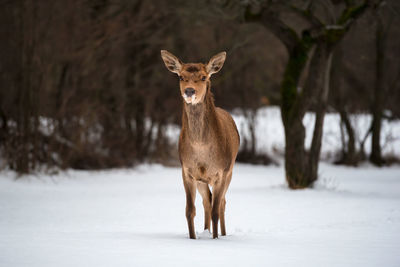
(208, 143)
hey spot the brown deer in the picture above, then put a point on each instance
(208, 143)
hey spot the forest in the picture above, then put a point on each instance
(90, 117)
(83, 86)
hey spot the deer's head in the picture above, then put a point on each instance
(193, 77)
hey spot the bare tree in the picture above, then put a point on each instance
(315, 44)
(384, 16)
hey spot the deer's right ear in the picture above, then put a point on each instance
(172, 63)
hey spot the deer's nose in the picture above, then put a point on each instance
(189, 92)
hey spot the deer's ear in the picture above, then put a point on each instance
(216, 63)
(172, 63)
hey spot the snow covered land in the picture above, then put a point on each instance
(136, 217)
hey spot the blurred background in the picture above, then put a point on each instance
(82, 83)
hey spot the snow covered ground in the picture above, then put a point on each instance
(135, 217)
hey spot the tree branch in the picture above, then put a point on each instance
(351, 13)
(273, 23)
(334, 33)
(307, 15)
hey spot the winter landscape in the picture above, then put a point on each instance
(135, 217)
(95, 96)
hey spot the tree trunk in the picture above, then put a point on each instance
(377, 105)
(302, 169)
(251, 118)
(295, 157)
(140, 129)
(25, 153)
(349, 153)
(21, 153)
(323, 63)
(292, 117)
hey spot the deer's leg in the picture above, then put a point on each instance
(205, 193)
(190, 189)
(222, 216)
(217, 195)
(223, 204)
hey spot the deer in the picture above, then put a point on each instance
(208, 142)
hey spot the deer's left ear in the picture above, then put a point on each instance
(216, 63)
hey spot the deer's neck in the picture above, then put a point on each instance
(199, 120)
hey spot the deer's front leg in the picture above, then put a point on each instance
(217, 195)
(190, 189)
(207, 198)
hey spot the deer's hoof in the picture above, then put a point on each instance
(192, 236)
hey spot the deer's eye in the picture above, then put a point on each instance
(180, 78)
(203, 78)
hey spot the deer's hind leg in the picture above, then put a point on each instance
(205, 193)
(190, 190)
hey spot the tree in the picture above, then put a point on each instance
(314, 46)
(383, 82)
(77, 82)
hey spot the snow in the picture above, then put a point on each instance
(135, 217)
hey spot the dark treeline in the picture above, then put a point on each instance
(82, 84)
